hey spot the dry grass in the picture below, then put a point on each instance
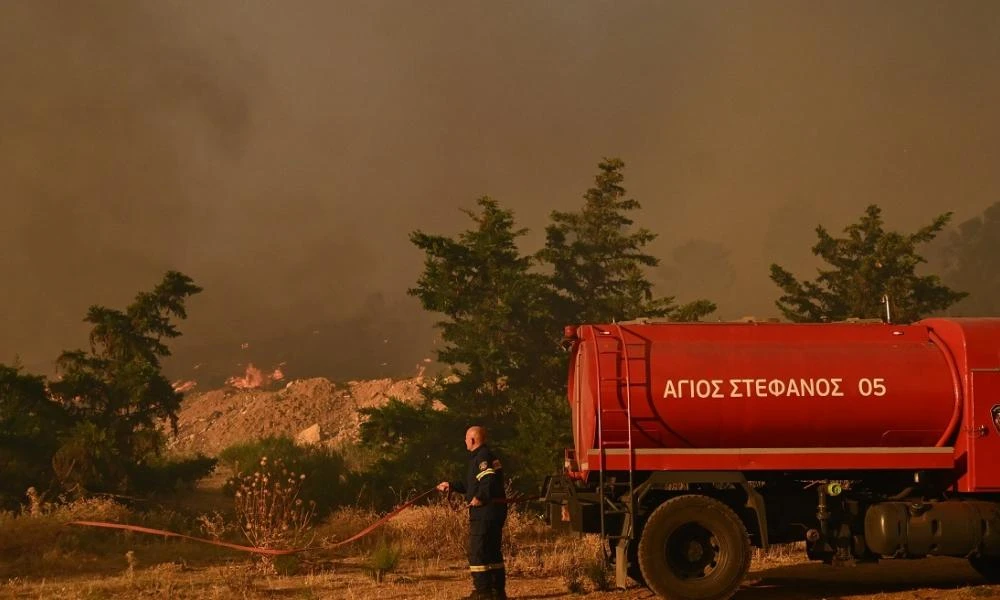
(39, 534)
(42, 557)
(54, 561)
(438, 532)
(38, 541)
(779, 554)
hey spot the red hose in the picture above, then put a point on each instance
(253, 549)
(272, 551)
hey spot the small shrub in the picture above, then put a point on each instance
(383, 559)
(327, 482)
(598, 574)
(268, 507)
(130, 562)
(587, 574)
(35, 506)
(213, 526)
(574, 582)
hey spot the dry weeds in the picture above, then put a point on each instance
(40, 557)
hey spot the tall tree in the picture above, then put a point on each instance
(866, 265)
(972, 255)
(116, 391)
(498, 336)
(498, 332)
(598, 259)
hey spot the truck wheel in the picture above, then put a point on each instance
(694, 548)
(987, 566)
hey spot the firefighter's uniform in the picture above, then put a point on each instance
(484, 480)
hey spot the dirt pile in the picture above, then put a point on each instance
(312, 410)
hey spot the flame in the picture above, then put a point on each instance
(183, 386)
(253, 378)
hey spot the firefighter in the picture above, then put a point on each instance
(484, 493)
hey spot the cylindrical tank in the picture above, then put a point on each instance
(756, 385)
(949, 528)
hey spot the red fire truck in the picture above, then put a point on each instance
(694, 442)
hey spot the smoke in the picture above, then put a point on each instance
(280, 153)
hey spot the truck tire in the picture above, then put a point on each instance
(694, 548)
(987, 566)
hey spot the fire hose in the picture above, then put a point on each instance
(273, 551)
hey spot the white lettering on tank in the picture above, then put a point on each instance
(871, 386)
(803, 387)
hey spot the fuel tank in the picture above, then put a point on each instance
(761, 385)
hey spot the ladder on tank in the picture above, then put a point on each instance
(625, 383)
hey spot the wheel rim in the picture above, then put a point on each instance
(693, 552)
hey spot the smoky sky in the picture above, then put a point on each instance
(281, 152)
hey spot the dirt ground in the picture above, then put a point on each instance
(928, 579)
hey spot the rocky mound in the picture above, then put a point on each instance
(310, 410)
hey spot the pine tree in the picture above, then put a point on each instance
(867, 264)
(116, 392)
(498, 331)
(598, 260)
(501, 342)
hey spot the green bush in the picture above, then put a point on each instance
(166, 475)
(327, 482)
(30, 427)
(382, 560)
(89, 459)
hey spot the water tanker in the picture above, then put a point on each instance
(693, 442)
